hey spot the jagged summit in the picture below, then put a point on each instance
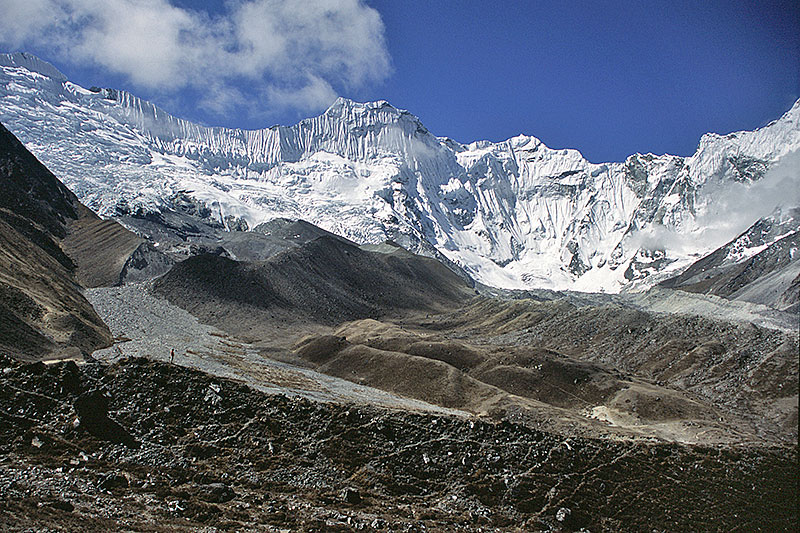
(346, 105)
(361, 116)
(514, 213)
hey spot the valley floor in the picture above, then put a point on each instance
(593, 369)
(147, 325)
(288, 432)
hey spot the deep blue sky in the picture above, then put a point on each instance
(607, 78)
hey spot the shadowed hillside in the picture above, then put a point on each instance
(42, 310)
(324, 281)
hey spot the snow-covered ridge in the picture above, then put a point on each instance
(33, 64)
(514, 214)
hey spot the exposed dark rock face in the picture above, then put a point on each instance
(247, 461)
(145, 263)
(92, 409)
(32, 192)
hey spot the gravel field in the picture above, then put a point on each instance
(665, 301)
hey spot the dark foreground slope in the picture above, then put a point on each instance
(177, 450)
(323, 281)
(42, 310)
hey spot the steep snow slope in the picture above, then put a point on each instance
(513, 214)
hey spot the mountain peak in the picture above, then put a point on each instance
(376, 112)
(344, 105)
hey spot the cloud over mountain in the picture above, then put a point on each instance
(293, 54)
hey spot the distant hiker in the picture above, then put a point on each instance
(172, 355)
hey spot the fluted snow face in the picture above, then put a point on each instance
(514, 213)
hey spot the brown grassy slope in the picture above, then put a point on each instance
(100, 248)
(741, 368)
(541, 385)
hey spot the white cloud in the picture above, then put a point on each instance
(222, 99)
(21, 19)
(735, 207)
(315, 93)
(297, 51)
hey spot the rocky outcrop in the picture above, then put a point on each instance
(240, 459)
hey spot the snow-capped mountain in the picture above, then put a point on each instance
(514, 214)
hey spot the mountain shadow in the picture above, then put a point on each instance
(324, 281)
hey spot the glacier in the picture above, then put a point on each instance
(512, 214)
